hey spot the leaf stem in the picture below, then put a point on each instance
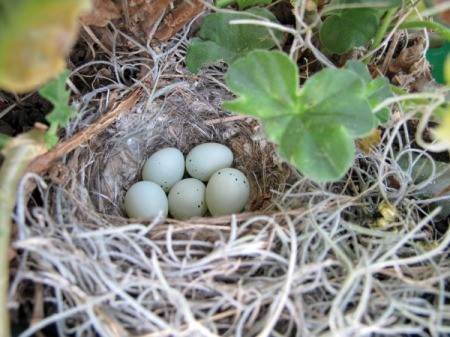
(224, 3)
(439, 28)
(381, 31)
(18, 153)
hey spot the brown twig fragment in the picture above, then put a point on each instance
(180, 16)
(43, 163)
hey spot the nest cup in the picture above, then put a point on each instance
(94, 271)
(187, 115)
(89, 245)
(316, 267)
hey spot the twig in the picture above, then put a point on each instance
(225, 120)
(42, 163)
(181, 15)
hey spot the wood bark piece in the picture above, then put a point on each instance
(102, 12)
(176, 21)
(44, 162)
(145, 14)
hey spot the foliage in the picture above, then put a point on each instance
(348, 28)
(433, 175)
(379, 4)
(248, 3)
(35, 37)
(316, 125)
(352, 27)
(221, 41)
(56, 92)
(375, 90)
(241, 3)
(447, 70)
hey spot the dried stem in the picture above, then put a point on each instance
(18, 153)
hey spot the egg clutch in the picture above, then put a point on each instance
(213, 184)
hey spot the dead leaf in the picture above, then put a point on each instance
(410, 70)
(372, 140)
(38, 38)
(102, 12)
(407, 58)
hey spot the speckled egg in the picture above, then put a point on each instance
(187, 199)
(205, 159)
(227, 192)
(165, 168)
(145, 199)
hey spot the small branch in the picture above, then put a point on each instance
(43, 163)
(437, 27)
(180, 16)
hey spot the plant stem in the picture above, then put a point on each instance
(381, 31)
(18, 152)
(439, 28)
(224, 3)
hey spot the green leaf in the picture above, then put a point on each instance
(447, 70)
(322, 152)
(423, 168)
(248, 3)
(315, 126)
(336, 96)
(221, 41)
(360, 69)
(266, 82)
(202, 53)
(378, 4)
(57, 94)
(348, 28)
(376, 90)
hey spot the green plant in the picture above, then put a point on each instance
(353, 23)
(314, 126)
(221, 41)
(241, 3)
(57, 94)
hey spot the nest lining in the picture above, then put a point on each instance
(307, 263)
(182, 119)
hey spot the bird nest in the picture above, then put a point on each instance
(303, 259)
